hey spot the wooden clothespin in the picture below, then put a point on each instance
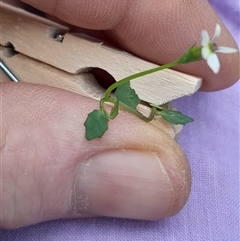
(40, 51)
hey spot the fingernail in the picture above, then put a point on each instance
(123, 183)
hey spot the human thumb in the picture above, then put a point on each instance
(49, 170)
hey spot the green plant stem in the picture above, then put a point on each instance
(130, 110)
(137, 75)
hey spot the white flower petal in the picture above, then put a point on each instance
(226, 50)
(216, 34)
(205, 52)
(213, 63)
(205, 38)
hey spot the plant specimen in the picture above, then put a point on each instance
(126, 98)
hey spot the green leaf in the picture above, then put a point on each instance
(96, 125)
(175, 117)
(127, 95)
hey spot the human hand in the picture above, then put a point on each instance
(135, 170)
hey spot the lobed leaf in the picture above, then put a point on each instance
(175, 117)
(127, 95)
(96, 125)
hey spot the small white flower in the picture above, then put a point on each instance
(210, 48)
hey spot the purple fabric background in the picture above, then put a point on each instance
(212, 146)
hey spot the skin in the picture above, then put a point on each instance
(41, 151)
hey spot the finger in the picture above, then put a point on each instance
(160, 31)
(50, 171)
